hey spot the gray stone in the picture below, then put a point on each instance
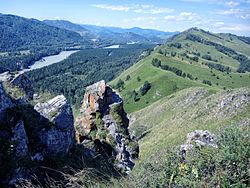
(20, 140)
(58, 111)
(61, 138)
(198, 138)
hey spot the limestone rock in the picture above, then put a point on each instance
(20, 140)
(58, 111)
(232, 102)
(197, 138)
(61, 138)
(104, 121)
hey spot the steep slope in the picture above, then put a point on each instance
(165, 124)
(183, 63)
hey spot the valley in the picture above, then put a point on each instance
(100, 106)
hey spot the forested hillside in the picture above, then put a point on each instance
(25, 40)
(71, 76)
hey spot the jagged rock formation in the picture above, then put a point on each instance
(61, 138)
(198, 138)
(104, 122)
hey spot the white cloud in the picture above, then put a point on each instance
(183, 16)
(230, 11)
(232, 4)
(235, 28)
(160, 10)
(170, 18)
(112, 7)
(239, 13)
(137, 8)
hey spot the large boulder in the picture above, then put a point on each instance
(59, 138)
(104, 122)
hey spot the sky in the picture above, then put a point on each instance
(230, 16)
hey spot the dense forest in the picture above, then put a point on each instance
(72, 75)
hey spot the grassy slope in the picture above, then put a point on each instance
(167, 122)
(165, 83)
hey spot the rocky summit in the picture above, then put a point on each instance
(104, 127)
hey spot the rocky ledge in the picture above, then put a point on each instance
(103, 126)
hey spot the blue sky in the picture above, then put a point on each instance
(177, 15)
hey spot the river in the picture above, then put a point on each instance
(49, 60)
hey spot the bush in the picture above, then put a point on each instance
(128, 78)
(156, 62)
(120, 84)
(207, 82)
(144, 89)
(207, 57)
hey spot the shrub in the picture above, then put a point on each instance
(128, 78)
(120, 84)
(207, 82)
(138, 78)
(156, 62)
(144, 89)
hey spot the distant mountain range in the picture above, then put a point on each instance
(115, 34)
(24, 40)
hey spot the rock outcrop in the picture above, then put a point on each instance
(104, 122)
(60, 138)
(198, 138)
(32, 133)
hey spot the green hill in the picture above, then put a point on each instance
(191, 58)
(164, 126)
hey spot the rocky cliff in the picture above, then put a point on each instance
(37, 134)
(103, 126)
(31, 133)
